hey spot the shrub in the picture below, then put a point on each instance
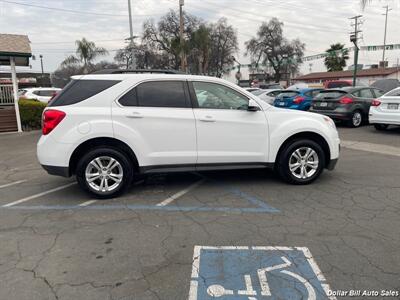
(31, 113)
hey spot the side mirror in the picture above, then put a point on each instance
(253, 106)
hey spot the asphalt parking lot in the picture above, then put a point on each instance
(227, 235)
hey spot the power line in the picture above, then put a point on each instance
(72, 11)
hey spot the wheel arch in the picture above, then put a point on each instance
(97, 142)
(308, 135)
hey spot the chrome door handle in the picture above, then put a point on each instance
(207, 119)
(135, 114)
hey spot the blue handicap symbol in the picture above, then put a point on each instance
(256, 273)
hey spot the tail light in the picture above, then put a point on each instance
(346, 100)
(51, 118)
(375, 102)
(298, 100)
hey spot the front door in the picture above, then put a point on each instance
(226, 131)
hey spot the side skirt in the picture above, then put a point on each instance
(203, 167)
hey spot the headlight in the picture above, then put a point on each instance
(330, 122)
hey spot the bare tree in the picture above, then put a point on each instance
(270, 47)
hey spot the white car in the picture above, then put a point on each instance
(40, 94)
(106, 128)
(385, 110)
(267, 95)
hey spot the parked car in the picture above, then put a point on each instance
(40, 94)
(267, 95)
(251, 89)
(106, 128)
(386, 85)
(270, 86)
(296, 99)
(349, 104)
(385, 110)
(334, 84)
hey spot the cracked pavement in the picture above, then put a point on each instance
(349, 219)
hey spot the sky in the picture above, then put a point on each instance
(317, 23)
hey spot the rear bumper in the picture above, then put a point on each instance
(334, 114)
(58, 171)
(379, 117)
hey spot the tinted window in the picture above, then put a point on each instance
(79, 90)
(47, 93)
(394, 93)
(289, 94)
(36, 93)
(275, 93)
(315, 93)
(129, 99)
(212, 95)
(366, 93)
(330, 95)
(161, 94)
(378, 93)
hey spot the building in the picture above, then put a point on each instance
(364, 77)
(15, 50)
(26, 79)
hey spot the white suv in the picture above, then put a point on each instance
(105, 128)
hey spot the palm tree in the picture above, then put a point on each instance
(337, 56)
(86, 53)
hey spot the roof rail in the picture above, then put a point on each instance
(137, 71)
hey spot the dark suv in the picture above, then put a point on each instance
(349, 104)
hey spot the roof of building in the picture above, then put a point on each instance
(349, 74)
(15, 44)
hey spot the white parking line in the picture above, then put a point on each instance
(38, 195)
(181, 193)
(371, 147)
(12, 183)
(87, 203)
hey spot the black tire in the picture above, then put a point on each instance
(120, 157)
(285, 157)
(381, 127)
(352, 122)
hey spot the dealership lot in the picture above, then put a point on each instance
(340, 233)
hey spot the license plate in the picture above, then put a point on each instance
(282, 103)
(324, 104)
(393, 106)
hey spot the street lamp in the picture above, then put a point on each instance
(41, 63)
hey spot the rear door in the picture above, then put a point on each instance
(161, 122)
(226, 131)
(365, 97)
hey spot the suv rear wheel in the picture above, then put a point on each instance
(104, 172)
(301, 162)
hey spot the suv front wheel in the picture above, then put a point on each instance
(301, 162)
(104, 172)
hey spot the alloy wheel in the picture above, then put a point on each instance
(303, 162)
(357, 119)
(104, 174)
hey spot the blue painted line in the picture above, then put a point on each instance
(146, 207)
(251, 199)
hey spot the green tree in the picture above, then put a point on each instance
(85, 54)
(271, 47)
(336, 59)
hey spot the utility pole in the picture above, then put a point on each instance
(41, 63)
(131, 37)
(354, 40)
(384, 39)
(183, 63)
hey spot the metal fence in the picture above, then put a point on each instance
(6, 94)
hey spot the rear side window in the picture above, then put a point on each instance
(330, 95)
(79, 90)
(161, 94)
(378, 93)
(393, 93)
(366, 93)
